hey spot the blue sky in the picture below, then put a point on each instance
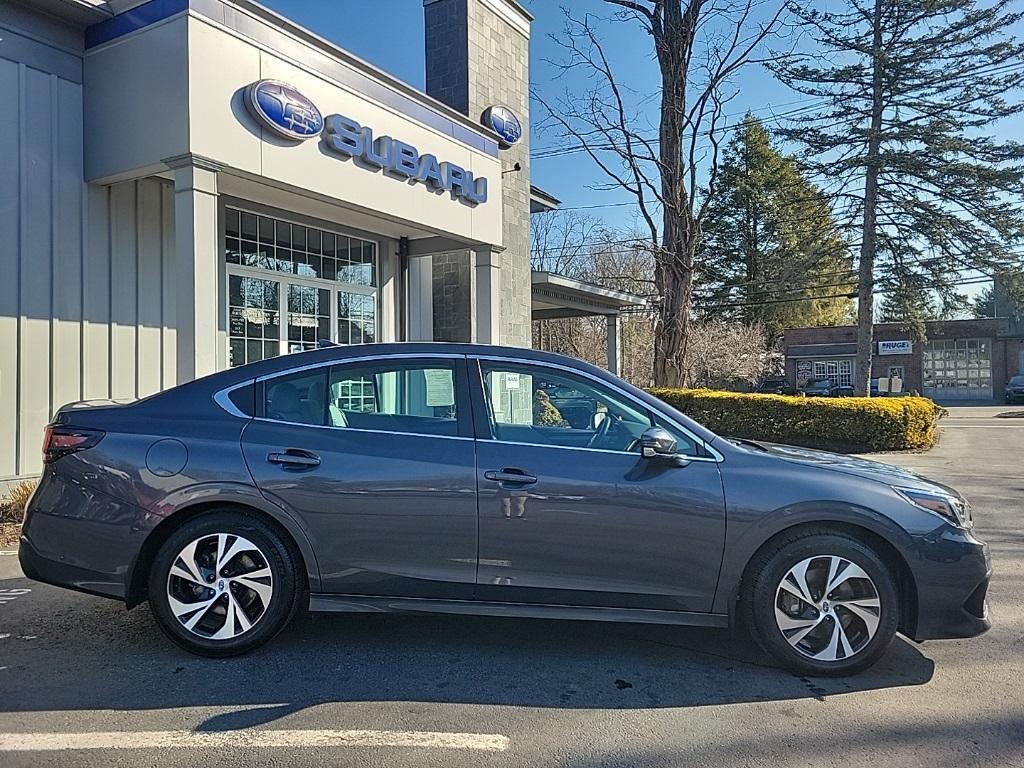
(389, 34)
(400, 52)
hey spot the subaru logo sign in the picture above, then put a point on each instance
(284, 110)
(503, 121)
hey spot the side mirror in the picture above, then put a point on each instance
(657, 443)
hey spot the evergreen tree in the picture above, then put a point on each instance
(911, 90)
(1004, 298)
(909, 302)
(770, 241)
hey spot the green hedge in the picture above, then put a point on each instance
(839, 423)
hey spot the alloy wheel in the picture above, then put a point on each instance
(219, 586)
(827, 608)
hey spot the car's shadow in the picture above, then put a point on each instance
(71, 652)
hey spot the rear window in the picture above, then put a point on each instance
(395, 396)
(244, 399)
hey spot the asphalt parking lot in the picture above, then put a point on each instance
(82, 682)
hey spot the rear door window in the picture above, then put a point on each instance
(298, 398)
(418, 398)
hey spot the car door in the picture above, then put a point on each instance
(376, 459)
(570, 513)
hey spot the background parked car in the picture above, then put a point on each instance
(1015, 390)
(819, 388)
(776, 385)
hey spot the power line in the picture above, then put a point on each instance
(808, 104)
(548, 152)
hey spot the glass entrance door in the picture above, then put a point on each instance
(309, 317)
(291, 285)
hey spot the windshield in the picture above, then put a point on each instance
(1017, 381)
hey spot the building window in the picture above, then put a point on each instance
(839, 372)
(254, 319)
(325, 281)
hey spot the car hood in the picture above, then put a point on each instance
(849, 465)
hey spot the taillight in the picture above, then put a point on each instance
(60, 441)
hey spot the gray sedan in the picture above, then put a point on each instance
(444, 478)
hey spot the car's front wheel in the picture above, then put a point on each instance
(223, 584)
(821, 603)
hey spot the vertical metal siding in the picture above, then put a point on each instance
(10, 186)
(87, 295)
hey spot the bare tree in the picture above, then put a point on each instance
(724, 355)
(575, 244)
(700, 45)
(559, 241)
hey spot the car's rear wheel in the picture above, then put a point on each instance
(223, 584)
(821, 603)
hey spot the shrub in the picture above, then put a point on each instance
(12, 508)
(840, 423)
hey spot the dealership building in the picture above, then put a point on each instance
(959, 360)
(188, 185)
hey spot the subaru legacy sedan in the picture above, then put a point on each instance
(444, 478)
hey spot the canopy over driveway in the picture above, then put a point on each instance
(557, 296)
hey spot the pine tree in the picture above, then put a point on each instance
(774, 255)
(909, 302)
(1004, 298)
(911, 90)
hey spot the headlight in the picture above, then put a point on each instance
(949, 507)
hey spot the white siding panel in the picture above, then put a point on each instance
(96, 296)
(124, 290)
(66, 377)
(150, 295)
(86, 272)
(168, 286)
(10, 183)
(36, 244)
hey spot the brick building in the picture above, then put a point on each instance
(960, 360)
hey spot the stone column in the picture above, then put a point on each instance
(197, 265)
(487, 274)
(477, 56)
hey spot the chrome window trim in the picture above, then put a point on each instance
(222, 398)
(715, 457)
(361, 358)
(634, 454)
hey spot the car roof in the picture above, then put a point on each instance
(339, 353)
(207, 388)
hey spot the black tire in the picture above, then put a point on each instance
(276, 614)
(760, 592)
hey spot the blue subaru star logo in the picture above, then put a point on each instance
(503, 121)
(284, 110)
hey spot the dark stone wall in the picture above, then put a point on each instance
(446, 27)
(451, 286)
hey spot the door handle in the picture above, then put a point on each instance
(510, 475)
(294, 458)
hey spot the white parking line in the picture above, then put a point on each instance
(10, 595)
(49, 742)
